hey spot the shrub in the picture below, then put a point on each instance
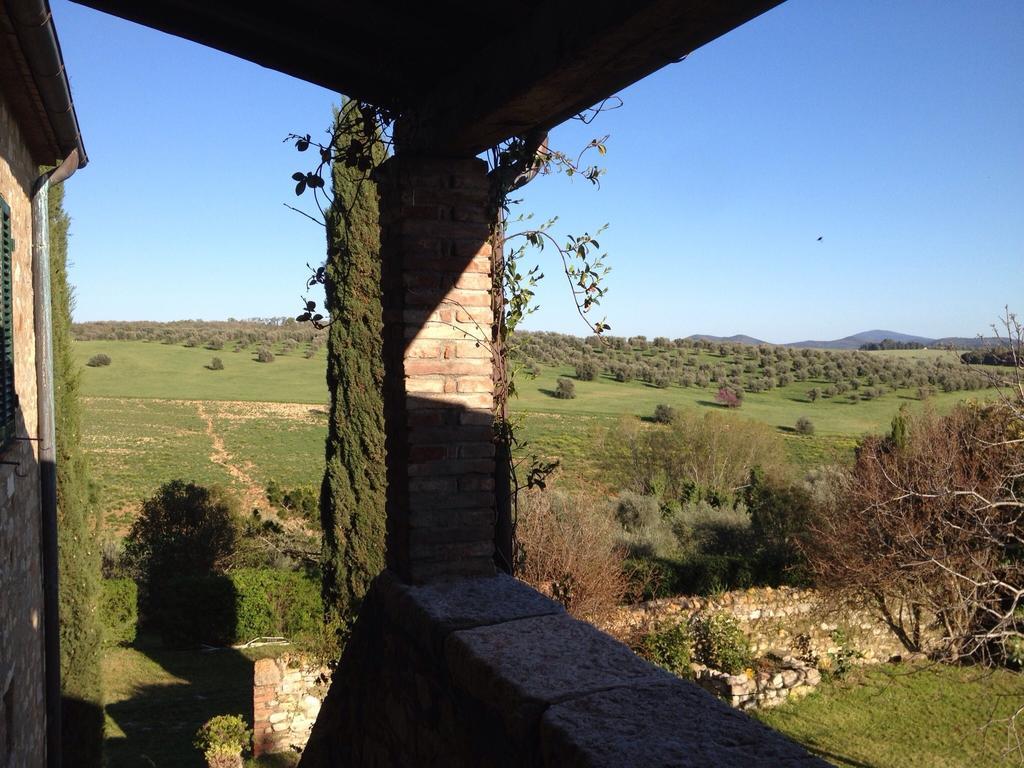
(239, 606)
(730, 397)
(669, 648)
(719, 643)
(183, 528)
(661, 380)
(804, 426)
(569, 549)
(216, 364)
(566, 389)
(98, 361)
(222, 739)
(664, 414)
(586, 370)
(119, 611)
(264, 355)
(302, 501)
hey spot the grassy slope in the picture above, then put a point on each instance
(934, 717)
(141, 430)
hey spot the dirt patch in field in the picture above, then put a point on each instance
(252, 494)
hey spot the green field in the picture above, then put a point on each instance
(896, 716)
(158, 413)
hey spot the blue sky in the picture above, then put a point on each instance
(891, 130)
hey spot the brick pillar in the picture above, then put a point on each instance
(439, 384)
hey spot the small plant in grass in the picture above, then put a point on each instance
(566, 389)
(265, 355)
(719, 643)
(216, 364)
(669, 648)
(98, 361)
(222, 740)
(804, 426)
(841, 660)
(664, 414)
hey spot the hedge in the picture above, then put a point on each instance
(119, 611)
(224, 609)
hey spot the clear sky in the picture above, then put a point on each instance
(892, 130)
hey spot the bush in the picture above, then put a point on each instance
(569, 549)
(804, 426)
(98, 361)
(119, 611)
(730, 397)
(183, 528)
(664, 414)
(239, 606)
(216, 364)
(719, 643)
(566, 389)
(264, 355)
(222, 739)
(302, 501)
(669, 648)
(586, 370)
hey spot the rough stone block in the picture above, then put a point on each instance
(671, 723)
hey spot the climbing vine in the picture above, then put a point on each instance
(512, 164)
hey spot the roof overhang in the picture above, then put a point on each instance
(469, 73)
(34, 82)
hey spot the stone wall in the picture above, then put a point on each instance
(286, 696)
(785, 620)
(22, 708)
(487, 672)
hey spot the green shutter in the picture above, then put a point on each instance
(8, 399)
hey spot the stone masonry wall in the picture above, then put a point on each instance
(286, 698)
(22, 709)
(785, 620)
(479, 672)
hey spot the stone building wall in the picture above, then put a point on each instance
(22, 703)
(286, 697)
(784, 620)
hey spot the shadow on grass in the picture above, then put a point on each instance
(186, 688)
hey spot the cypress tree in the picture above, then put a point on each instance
(77, 527)
(353, 490)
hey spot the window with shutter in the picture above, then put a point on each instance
(8, 400)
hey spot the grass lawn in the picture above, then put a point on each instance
(896, 716)
(157, 698)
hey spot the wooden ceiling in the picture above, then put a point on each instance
(468, 73)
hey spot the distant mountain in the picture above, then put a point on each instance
(865, 337)
(739, 338)
(856, 340)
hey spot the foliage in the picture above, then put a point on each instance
(352, 492)
(301, 501)
(183, 528)
(570, 551)
(664, 414)
(780, 516)
(239, 606)
(223, 736)
(669, 648)
(713, 454)
(928, 530)
(730, 397)
(99, 361)
(719, 643)
(264, 355)
(804, 426)
(216, 364)
(566, 389)
(586, 370)
(81, 630)
(119, 611)
(841, 660)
